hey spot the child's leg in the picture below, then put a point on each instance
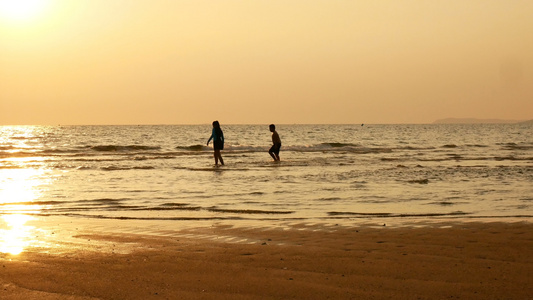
(273, 155)
(220, 158)
(271, 152)
(276, 151)
(216, 155)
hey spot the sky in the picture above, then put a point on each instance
(264, 61)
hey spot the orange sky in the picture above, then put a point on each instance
(265, 61)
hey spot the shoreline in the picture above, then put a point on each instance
(467, 260)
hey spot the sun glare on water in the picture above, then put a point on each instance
(21, 10)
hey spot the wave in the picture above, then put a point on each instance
(114, 153)
(104, 200)
(31, 203)
(116, 148)
(119, 168)
(10, 151)
(481, 158)
(170, 208)
(443, 203)
(510, 157)
(322, 147)
(248, 211)
(396, 215)
(414, 148)
(338, 145)
(193, 148)
(515, 146)
(449, 146)
(117, 205)
(333, 215)
(142, 218)
(419, 181)
(20, 154)
(7, 148)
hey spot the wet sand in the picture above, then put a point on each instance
(457, 261)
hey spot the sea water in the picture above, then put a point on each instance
(327, 173)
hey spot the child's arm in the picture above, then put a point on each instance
(211, 137)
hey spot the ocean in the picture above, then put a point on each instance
(328, 173)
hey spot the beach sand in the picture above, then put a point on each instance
(441, 261)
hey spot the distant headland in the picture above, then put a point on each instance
(479, 121)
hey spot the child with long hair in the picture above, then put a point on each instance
(218, 142)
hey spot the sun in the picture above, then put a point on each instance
(21, 10)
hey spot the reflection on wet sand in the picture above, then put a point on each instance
(17, 192)
(17, 236)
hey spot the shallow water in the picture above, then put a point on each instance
(328, 173)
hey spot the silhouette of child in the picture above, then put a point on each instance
(276, 141)
(218, 142)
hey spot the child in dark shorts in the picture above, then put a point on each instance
(276, 141)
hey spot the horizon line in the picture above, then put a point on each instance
(436, 122)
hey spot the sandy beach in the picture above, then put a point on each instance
(443, 261)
